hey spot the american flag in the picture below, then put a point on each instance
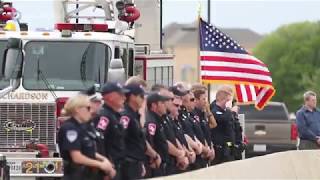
(250, 94)
(223, 60)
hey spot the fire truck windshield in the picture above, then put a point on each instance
(65, 65)
(3, 83)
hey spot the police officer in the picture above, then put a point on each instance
(135, 141)
(239, 145)
(199, 112)
(178, 158)
(179, 133)
(77, 146)
(108, 122)
(187, 125)
(154, 129)
(223, 135)
(195, 120)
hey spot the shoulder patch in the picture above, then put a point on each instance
(152, 127)
(72, 135)
(125, 120)
(103, 123)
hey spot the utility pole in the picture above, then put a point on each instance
(161, 24)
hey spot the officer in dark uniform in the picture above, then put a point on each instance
(108, 122)
(135, 141)
(195, 119)
(155, 131)
(192, 128)
(223, 135)
(239, 146)
(188, 128)
(77, 144)
(177, 158)
(95, 104)
(200, 113)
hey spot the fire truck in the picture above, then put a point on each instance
(40, 70)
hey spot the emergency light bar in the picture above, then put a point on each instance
(82, 27)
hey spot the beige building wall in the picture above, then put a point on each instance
(186, 64)
(148, 25)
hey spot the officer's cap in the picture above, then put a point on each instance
(91, 92)
(113, 87)
(156, 97)
(135, 89)
(178, 91)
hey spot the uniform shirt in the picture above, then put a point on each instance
(308, 123)
(195, 119)
(179, 133)
(108, 122)
(184, 118)
(168, 129)
(224, 132)
(204, 125)
(74, 136)
(134, 137)
(156, 136)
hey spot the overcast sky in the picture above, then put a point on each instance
(262, 16)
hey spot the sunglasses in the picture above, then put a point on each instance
(192, 99)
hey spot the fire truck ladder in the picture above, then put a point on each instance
(73, 7)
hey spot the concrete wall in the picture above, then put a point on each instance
(285, 165)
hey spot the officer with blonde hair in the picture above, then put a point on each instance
(77, 145)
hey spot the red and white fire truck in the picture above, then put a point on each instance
(40, 70)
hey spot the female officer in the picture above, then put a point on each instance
(77, 145)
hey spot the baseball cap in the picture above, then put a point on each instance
(156, 97)
(178, 91)
(93, 95)
(135, 89)
(113, 87)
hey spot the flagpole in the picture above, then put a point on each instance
(209, 21)
(198, 31)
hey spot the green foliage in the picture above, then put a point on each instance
(292, 54)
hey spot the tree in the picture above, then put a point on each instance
(292, 54)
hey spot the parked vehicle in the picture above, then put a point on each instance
(270, 130)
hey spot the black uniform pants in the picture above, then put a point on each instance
(82, 173)
(199, 163)
(223, 154)
(159, 171)
(131, 169)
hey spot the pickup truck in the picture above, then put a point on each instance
(270, 130)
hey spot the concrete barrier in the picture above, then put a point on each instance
(284, 165)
